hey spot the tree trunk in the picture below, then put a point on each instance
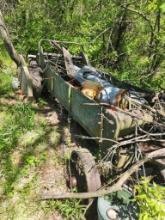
(117, 35)
(26, 81)
(7, 42)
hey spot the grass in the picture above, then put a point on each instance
(71, 209)
(20, 119)
(27, 145)
(7, 71)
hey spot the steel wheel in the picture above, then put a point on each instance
(83, 172)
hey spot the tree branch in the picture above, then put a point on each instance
(7, 42)
(146, 19)
(143, 16)
(26, 79)
(113, 188)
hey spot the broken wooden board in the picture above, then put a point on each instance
(68, 63)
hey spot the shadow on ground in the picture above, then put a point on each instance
(34, 143)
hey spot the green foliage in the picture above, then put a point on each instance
(21, 119)
(41, 102)
(150, 198)
(5, 81)
(125, 37)
(70, 209)
(24, 141)
(7, 71)
(23, 116)
(162, 7)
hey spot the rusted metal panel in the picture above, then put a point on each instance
(88, 116)
(122, 123)
(48, 78)
(99, 121)
(110, 129)
(61, 91)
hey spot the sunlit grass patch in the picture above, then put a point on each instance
(29, 138)
(20, 119)
(28, 145)
(24, 142)
(54, 138)
(40, 120)
(70, 209)
(7, 71)
(3, 118)
(5, 82)
(41, 147)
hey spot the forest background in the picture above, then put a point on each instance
(124, 37)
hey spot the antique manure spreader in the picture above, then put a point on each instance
(109, 110)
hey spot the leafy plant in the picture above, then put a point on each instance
(23, 115)
(151, 200)
(122, 36)
(70, 209)
(20, 119)
(5, 83)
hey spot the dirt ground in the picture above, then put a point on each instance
(37, 164)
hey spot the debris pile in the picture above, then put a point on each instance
(145, 108)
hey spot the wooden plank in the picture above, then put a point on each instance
(68, 63)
